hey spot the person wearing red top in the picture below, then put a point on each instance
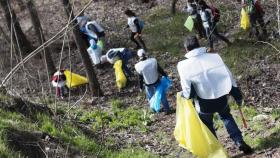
(59, 82)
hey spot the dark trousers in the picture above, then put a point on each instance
(199, 26)
(60, 91)
(214, 31)
(223, 110)
(138, 41)
(254, 18)
(125, 55)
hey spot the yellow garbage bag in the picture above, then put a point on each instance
(245, 20)
(74, 80)
(120, 77)
(192, 134)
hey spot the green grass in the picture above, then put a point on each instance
(131, 153)
(165, 32)
(120, 117)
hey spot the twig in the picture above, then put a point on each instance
(76, 103)
(271, 46)
(36, 51)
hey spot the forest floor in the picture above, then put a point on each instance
(120, 124)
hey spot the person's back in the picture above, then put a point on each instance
(206, 71)
(148, 69)
(205, 78)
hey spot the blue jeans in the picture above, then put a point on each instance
(151, 90)
(226, 117)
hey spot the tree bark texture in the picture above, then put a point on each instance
(39, 32)
(23, 44)
(173, 6)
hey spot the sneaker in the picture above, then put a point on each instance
(244, 147)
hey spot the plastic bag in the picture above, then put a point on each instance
(161, 90)
(100, 44)
(245, 20)
(74, 80)
(192, 134)
(120, 77)
(95, 54)
(189, 23)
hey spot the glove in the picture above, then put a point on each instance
(239, 102)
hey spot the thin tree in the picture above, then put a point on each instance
(23, 43)
(278, 16)
(82, 46)
(39, 32)
(173, 6)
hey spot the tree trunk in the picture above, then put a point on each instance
(39, 32)
(278, 16)
(23, 44)
(6, 37)
(173, 6)
(82, 46)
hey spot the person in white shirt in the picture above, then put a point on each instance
(91, 29)
(205, 78)
(133, 23)
(59, 82)
(149, 73)
(193, 10)
(123, 54)
(210, 24)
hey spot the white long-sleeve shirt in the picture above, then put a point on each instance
(207, 73)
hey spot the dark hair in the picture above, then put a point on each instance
(203, 4)
(129, 13)
(191, 43)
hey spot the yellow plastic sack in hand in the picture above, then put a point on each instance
(245, 20)
(192, 134)
(120, 77)
(74, 80)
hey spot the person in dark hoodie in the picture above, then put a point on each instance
(207, 80)
(134, 24)
(256, 14)
(150, 72)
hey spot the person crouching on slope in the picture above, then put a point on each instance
(205, 78)
(93, 30)
(133, 23)
(59, 82)
(115, 54)
(149, 73)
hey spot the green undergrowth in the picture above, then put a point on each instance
(165, 32)
(68, 133)
(119, 118)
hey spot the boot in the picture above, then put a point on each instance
(244, 147)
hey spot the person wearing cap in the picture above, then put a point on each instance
(133, 23)
(115, 54)
(91, 28)
(207, 80)
(149, 73)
